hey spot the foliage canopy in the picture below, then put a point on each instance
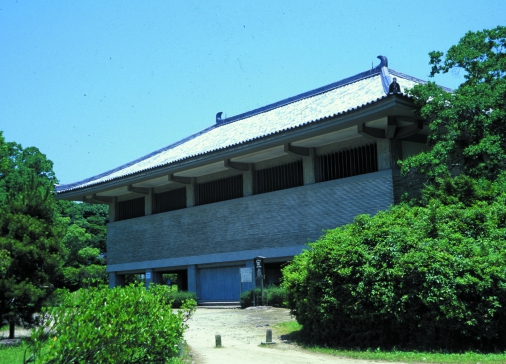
(84, 244)
(430, 274)
(30, 232)
(467, 126)
(121, 325)
(426, 277)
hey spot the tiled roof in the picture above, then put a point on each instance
(338, 98)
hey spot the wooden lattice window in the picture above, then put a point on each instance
(219, 190)
(347, 163)
(131, 208)
(169, 200)
(279, 177)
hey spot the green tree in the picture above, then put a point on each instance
(467, 126)
(84, 243)
(91, 217)
(430, 273)
(30, 233)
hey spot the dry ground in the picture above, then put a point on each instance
(242, 332)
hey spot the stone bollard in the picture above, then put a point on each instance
(268, 336)
(218, 340)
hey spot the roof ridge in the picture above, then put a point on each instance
(360, 76)
(222, 122)
(415, 79)
(263, 109)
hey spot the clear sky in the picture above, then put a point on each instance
(96, 84)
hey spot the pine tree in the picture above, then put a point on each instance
(30, 233)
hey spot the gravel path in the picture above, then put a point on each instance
(242, 332)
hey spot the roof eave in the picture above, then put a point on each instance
(380, 108)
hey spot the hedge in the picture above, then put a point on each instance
(430, 276)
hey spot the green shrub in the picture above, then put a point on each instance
(246, 299)
(56, 298)
(276, 296)
(179, 297)
(431, 276)
(273, 296)
(120, 325)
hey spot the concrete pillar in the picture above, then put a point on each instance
(113, 210)
(389, 152)
(190, 193)
(116, 280)
(192, 278)
(383, 150)
(248, 180)
(308, 168)
(153, 277)
(396, 153)
(148, 202)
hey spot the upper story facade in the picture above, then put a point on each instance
(269, 178)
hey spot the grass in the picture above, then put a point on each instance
(12, 354)
(291, 331)
(15, 355)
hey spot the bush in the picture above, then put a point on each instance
(276, 296)
(179, 297)
(247, 297)
(273, 296)
(120, 325)
(427, 277)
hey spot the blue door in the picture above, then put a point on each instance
(219, 284)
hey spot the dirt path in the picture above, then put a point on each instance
(242, 332)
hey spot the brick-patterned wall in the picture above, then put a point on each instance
(277, 219)
(412, 185)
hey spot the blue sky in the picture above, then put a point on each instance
(96, 84)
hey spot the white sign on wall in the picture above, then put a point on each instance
(246, 275)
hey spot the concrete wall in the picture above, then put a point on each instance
(284, 218)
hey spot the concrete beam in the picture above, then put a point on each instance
(236, 165)
(298, 151)
(407, 131)
(139, 190)
(374, 133)
(98, 199)
(181, 180)
(392, 131)
(390, 127)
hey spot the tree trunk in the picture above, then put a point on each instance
(11, 330)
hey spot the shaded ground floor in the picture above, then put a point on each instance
(214, 278)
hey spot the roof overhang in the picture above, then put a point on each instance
(369, 118)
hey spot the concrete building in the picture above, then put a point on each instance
(262, 183)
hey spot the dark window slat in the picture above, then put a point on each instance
(347, 163)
